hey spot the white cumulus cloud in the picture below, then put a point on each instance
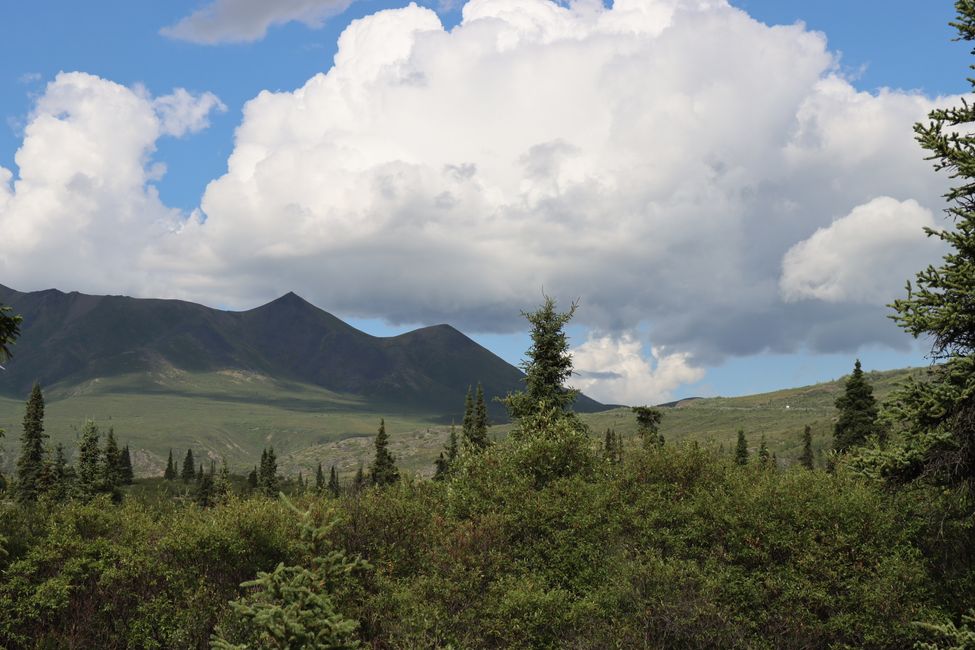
(82, 210)
(615, 369)
(864, 256)
(657, 159)
(234, 21)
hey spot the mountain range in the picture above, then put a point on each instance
(72, 338)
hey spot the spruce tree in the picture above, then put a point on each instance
(648, 425)
(937, 414)
(188, 472)
(383, 469)
(296, 606)
(252, 479)
(359, 481)
(111, 474)
(806, 459)
(479, 428)
(858, 413)
(764, 457)
(30, 465)
(221, 483)
(467, 425)
(440, 468)
(549, 363)
(452, 447)
(9, 331)
(125, 463)
(170, 473)
(267, 477)
(319, 480)
(741, 450)
(199, 473)
(89, 472)
(333, 483)
(205, 491)
(60, 484)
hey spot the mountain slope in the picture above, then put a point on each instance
(71, 338)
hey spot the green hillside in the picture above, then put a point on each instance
(236, 414)
(780, 415)
(230, 413)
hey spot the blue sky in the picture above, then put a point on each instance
(901, 45)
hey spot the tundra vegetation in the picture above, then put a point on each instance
(545, 538)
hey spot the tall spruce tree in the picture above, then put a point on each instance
(320, 480)
(252, 479)
(32, 460)
(467, 425)
(60, 476)
(188, 473)
(89, 472)
(383, 469)
(858, 412)
(937, 414)
(741, 449)
(170, 473)
(267, 477)
(125, 465)
(806, 459)
(333, 483)
(205, 491)
(221, 483)
(549, 363)
(479, 430)
(111, 478)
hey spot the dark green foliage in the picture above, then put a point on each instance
(221, 483)
(188, 473)
(648, 425)
(806, 459)
(359, 481)
(62, 476)
(199, 473)
(111, 467)
(125, 466)
(89, 470)
(467, 425)
(267, 475)
(333, 483)
(612, 446)
(31, 463)
(479, 437)
(741, 449)
(937, 416)
(549, 363)
(858, 413)
(9, 331)
(448, 457)
(383, 470)
(440, 468)
(205, 490)
(94, 576)
(764, 457)
(294, 606)
(252, 479)
(170, 473)
(320, 480)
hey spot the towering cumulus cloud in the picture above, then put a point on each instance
(83, 210)
(657, 159)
